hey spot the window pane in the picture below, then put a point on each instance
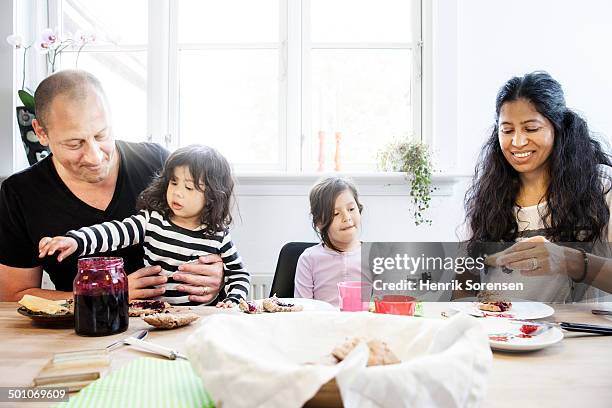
(365, 96)
(229, 100)
(361, 20)
(124, 78)
(113, 21)
(228, 21)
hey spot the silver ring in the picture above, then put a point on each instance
(204, 290)
(534, 264)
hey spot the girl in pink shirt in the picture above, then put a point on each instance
(336, 217)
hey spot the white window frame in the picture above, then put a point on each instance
(173, 139)
(155, 117)
(416, 83)
(294, 72)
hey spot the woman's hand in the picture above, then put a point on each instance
(48, 246)
(534, 256)
(201, 280)
(141, 283)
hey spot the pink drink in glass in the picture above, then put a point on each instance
(350, 296)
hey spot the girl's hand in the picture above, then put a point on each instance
(48, 246)
(226, 304)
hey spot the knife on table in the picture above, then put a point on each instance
(155, 348)
(138, 335)
(571, 327)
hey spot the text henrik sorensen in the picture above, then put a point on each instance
(405, 284)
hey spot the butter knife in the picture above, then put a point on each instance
(572, 327)
(155, 349)
(138, 335)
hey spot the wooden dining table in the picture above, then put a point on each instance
(577, 371)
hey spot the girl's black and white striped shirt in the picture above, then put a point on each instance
(168, 246)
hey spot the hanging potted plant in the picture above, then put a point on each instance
(51, 45)
(414, 159)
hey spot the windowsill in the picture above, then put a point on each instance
(374, 184)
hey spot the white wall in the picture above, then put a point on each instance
(7, 93)
(271, 216)
(572, 40)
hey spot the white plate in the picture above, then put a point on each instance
(520, 309)
(512, 341)
(309, 305)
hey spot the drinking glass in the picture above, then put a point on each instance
(350, 296)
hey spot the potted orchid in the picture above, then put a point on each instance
(50, 44)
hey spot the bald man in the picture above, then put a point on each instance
(89, 178)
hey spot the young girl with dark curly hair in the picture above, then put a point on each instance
(542, 178)
(184, 214)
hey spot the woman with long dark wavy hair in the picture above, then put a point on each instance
(542, 178)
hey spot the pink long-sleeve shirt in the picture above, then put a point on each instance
(319, 269)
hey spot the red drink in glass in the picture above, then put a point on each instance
(100, 297)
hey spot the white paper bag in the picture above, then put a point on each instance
(267, 359)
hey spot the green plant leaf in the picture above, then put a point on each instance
(414, 159)
(27, 99)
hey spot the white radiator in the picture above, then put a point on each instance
(260, 286)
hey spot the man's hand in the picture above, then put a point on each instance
(202, 280)
(141, 283)
(48, 246)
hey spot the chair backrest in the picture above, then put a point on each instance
(284, 276)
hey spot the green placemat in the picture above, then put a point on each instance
(418, 310)
(146, 382)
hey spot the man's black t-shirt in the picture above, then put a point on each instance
(36, 203)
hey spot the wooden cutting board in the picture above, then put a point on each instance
(73, 370)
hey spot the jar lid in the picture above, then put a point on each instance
(99, 263)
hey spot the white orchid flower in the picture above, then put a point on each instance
(79, 38)
(83, 37)
(42, 47)
(49, 37)
(89, 36)
(15, 40)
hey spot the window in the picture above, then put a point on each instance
(118, 57)
(360, 74)
(275, 85)
(228, 79)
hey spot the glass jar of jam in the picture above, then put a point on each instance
(100, 297)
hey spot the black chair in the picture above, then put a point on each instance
(284, 276)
